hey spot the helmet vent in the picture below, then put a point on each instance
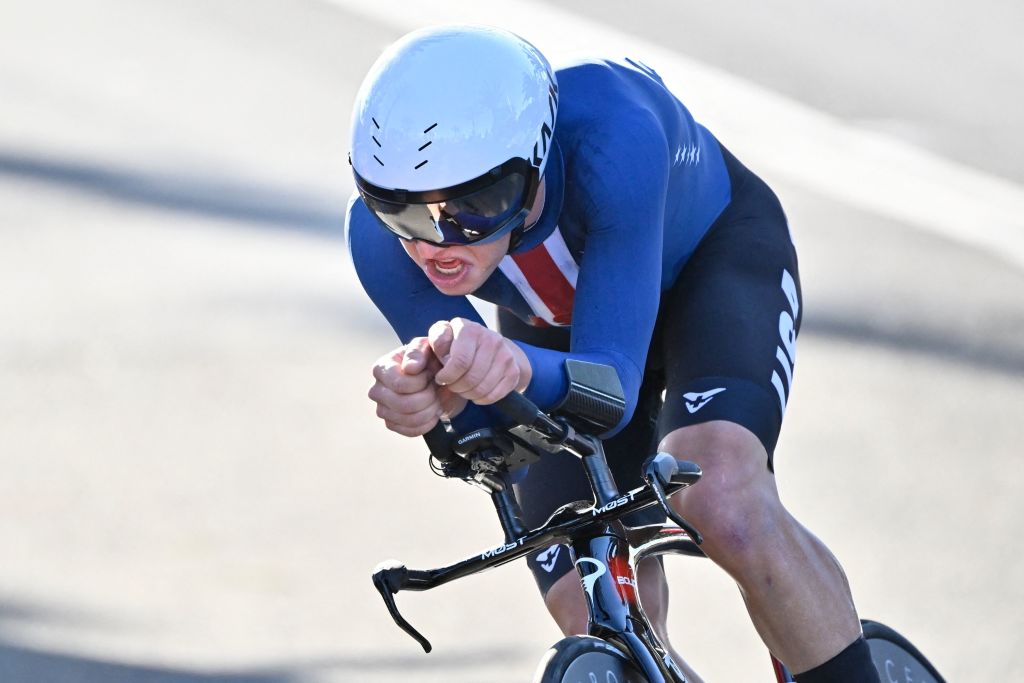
(428, 143)
(374, 137)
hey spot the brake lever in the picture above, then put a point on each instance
(655, 467)
(389, 577)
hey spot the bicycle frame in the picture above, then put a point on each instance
(596, 539)
(594, 533)
(603, 562)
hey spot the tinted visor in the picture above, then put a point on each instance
(486, 207)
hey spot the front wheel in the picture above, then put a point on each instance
(896, 659)
(585, 659)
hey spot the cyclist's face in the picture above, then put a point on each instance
(460, 270)
(457, 270)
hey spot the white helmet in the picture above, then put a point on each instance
(456, 116)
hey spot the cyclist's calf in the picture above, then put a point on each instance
(794, 589)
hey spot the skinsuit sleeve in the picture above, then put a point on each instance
(621, 169)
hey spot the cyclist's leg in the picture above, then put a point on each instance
(728, 346)
(793, 587)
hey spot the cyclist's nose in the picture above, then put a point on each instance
(429, 250)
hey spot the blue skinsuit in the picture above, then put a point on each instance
(633, 184)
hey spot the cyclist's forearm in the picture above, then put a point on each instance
(549, 384)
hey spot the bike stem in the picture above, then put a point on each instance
(509, 514)
(599, 475)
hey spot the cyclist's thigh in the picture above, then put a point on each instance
(729, 323)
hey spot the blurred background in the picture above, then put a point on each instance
(193, 486)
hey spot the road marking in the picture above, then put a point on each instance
(778, 136)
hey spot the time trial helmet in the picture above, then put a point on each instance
(460, 117)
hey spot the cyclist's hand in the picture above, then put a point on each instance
(479, 364)
(407, 398)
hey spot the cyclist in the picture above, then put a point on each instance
(607, 225)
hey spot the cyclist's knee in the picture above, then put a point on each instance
(735, 505)
(567, 605)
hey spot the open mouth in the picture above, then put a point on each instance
(449, 267)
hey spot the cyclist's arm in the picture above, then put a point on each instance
(400, 291)
(625, 172)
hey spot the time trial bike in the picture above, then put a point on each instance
(621, 645)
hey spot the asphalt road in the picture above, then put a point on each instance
(194, 488)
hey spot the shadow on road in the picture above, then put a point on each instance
(27, 665)
(948, 346)
(185, 191)
(24, 664)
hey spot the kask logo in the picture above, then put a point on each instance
(540, 148)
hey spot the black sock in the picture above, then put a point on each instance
(852, 665)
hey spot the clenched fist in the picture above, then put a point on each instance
(408, 399)
(478, 364)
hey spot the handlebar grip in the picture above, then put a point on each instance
(518, 408)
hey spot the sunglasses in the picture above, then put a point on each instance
(474, 212)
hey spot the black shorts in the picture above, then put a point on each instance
(723, 349)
